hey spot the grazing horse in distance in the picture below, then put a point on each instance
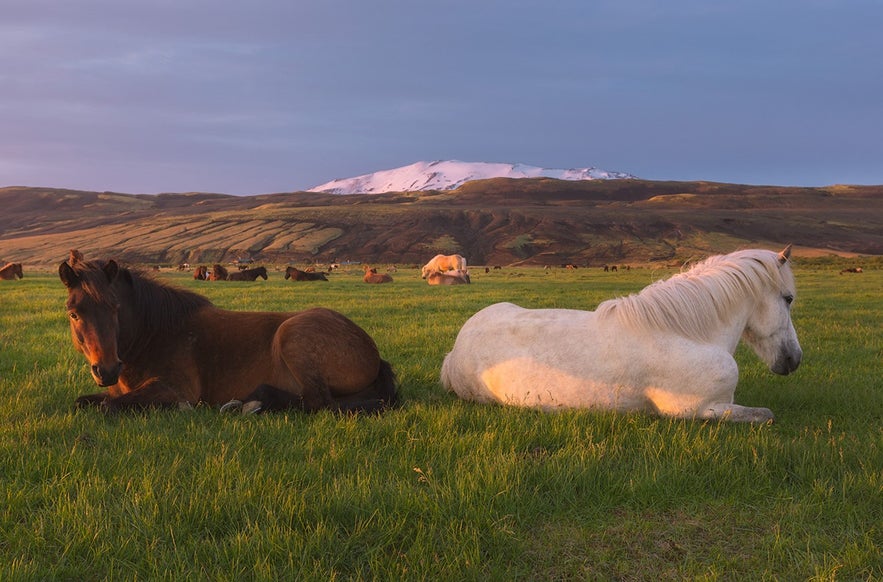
(372, 276)
(218, 273)
(443, 263)
(852, 270)
(296, 274)
(150, 344)
(201, 273)
(248, 274)
(666, 350)
(456, 277)
(11, 272)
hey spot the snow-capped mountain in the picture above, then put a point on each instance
(450, 174)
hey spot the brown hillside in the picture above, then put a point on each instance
(499, 221)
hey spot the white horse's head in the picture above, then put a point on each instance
(769, 330)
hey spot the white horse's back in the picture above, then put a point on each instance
(552, 359)
(505, 342)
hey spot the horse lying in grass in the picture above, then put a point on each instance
(456, 277)
(296, 274)
(668, 349)
(11, 272)
(218, 273)
(372, 276)
(248, 274)
(443, 263)
(150, 344)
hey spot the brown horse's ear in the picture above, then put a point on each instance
(111, 269)
(785, 255)
(68, 276)
(77, 257)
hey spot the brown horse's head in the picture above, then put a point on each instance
(92, 308)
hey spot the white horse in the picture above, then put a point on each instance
(667, 350)
(443, 263)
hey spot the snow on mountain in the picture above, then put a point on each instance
(450, 174)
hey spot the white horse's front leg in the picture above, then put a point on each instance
(736, 413)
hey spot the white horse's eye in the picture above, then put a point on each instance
(789, 299)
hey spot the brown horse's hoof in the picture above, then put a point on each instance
(232, 406)
(252, 407)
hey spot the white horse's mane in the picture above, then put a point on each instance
(696, 302)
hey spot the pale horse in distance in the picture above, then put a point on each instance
(666, 350)
(443, 263)
(455, 277)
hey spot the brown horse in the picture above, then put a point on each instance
(296, 274)
(448, 278)
(248, 274)
(372, 276)
(152, 344)
(201, 273)
(11, 272)
(218, 273)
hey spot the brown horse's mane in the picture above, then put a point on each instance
(157, 308)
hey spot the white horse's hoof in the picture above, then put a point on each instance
(763, 416)
(232, 406)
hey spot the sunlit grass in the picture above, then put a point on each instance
(442, 489)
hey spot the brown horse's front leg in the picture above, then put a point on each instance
(91, 399)
(151, 394)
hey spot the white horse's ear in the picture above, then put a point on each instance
(785, 255)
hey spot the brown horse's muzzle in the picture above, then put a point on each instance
(107, 375)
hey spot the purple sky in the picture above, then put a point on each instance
(282, 95)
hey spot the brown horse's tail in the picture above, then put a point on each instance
(385, 385)
(381, 395)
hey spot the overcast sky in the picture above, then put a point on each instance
(259, 96)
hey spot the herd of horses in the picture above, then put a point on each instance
(151, 344)
(440, 270)
(220, 273)
(666, 350)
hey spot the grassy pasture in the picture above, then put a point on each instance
(441, 489)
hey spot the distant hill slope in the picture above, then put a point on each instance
(498, 221)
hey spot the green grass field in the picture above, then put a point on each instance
(441, 489)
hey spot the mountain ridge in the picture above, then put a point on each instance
(451, 174)
(496, 221)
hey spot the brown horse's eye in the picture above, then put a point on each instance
(73, 315)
